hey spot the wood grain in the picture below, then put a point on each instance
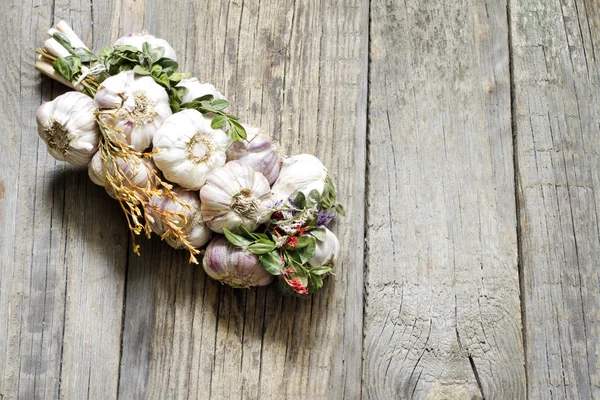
(557, 93)
(442, 316)
(297, 70)
(63, 244)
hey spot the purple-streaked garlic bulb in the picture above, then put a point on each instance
(257, 152)
(193, 227)
(133, 107)
(137, 40)
(235, 196)
(68, 126)
(327, 251)
(300, 173)
(233, 265)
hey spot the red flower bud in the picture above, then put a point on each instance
(292, 241)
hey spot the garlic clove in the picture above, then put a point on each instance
(257, 152)
(68, 126)
(300, 173)
(187, 148)
(235, 196)
(133, 106)
(137, 40)
(234, 266)
(194, 89)
(327, 251)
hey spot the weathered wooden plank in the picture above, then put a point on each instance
(298, 70)
(442, 316)
(63, 249)
(556, 97)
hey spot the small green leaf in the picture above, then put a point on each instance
(235, 239)
(219, 104)
(271, 262)
(308, 251)
(261, 248)
(168, 65)
(84, 55)
(176, 77)
(340, 209)
(68, 66)
(300, 200)
(319, 233)
(218, 121)
(138, 69)
(320, 270)
(314, 283)
(315, 195)
(237, 130)
(105, 53)
(303, 241)
(64, 41)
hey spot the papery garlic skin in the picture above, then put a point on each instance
(193, 227)
(194, 89)
(135, 106)
(68, 126)
(187, 148)
(137, 40)
(257, 152)
(137, 172)
(327, 252)
(235, 196)
(301, 173)
(234, 266)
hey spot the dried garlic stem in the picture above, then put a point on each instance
(134, 199)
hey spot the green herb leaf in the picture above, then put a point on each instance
(303, 241)
(271, 262)
(307, 252)
(64, 41)
(235, 239)
(314, 283)
(84, 55)
(236, 130)
(218, 122)
(219, 104)
(319, 233)
(315, 195)
(68, 67)
(138, 69)
(261, 247)
(340, 209)
(105, 52)
(320, 270)
(300, 200)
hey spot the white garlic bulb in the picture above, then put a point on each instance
(234, 266)
(326, 251)
(68, 126)
(193, 227)
(257, 152)
(137, 40)
(235, 196)
(137, 172)
(195, 89)
(135, 106)
(301, 173)
(187, 148)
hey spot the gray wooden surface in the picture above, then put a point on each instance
(465, 140)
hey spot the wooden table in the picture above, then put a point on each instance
(465, 140)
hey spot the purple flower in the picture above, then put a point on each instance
(324, 218)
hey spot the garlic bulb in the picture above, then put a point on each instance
(235, 196)
(257, 152)
(135, 106)
(327, 251)
(187, 148)
(138, 39)
(195, 230)
(195, 89)
(135, 170)
(234, 266)
(301, 173)
(68, 126)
